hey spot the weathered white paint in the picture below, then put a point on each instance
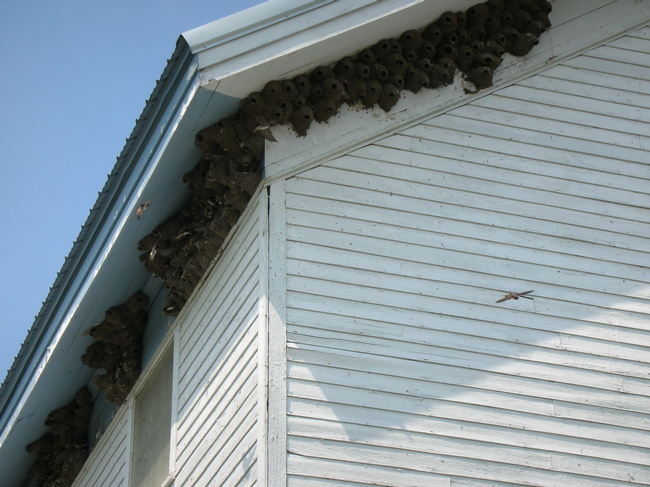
(402, 369)
(263, 342)
(108, 464)
(217, 418)
(277, 337)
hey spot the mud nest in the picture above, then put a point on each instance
(118, 347)
(64, 449)
(471, 43)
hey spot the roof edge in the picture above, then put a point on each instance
(35, 346)
(247, 21)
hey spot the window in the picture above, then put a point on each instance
(152, 426)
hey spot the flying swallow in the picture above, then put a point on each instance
(140, 210)
(514, 296)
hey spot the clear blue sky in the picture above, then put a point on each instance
(74, 77)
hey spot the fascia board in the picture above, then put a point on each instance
(298, 43)
(245, 22)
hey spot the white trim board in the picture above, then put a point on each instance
(277, 337)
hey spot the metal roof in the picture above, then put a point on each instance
(100, 271)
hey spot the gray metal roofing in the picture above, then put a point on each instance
(96, 218)
(98, 272)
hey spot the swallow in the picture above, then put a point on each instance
(265, 131)
(514, 296)
(140, 210)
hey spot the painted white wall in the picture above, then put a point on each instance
(217, 412)
(108, 464)
(218, 367)
(402, 368)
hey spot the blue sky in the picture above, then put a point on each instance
(75, 76)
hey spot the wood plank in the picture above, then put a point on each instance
(632, 58)
(241, 305)
(277, 336)
(236, 469)
(303, 480)
(569, 101)
(545, 331)
(207, 467)
(444, 219)
(643, 33)
(214, 401)
(619, 155)
(589, 93)
(619, 68)
(466, 441)
(413, 165)
(469, 301)
(220, 286)
(567, 178)
(440, 464)
(426, 370)
(445, 246)
(220, 269)
(554, 282)
(443, 391)
(346, 403)
(105, 464)
(324, 471)
(259, 473)
(195, 371)
(499, 115)
(634, 41)
(372, 304)
(538, 347)
(491, 359)
(605, 416)
(501, 101)
(480, 195)
(244, 474)
(593, 78)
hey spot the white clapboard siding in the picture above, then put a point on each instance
(108, 463)
(402, 370)
(217, 426)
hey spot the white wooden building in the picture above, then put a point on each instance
(349, 332)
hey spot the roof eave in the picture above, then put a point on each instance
(108, 236)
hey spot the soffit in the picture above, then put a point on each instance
(319, 34)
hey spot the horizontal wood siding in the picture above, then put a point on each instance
(107, 465)
(402, 368)
(217, 429)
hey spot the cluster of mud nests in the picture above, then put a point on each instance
(472, 43)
